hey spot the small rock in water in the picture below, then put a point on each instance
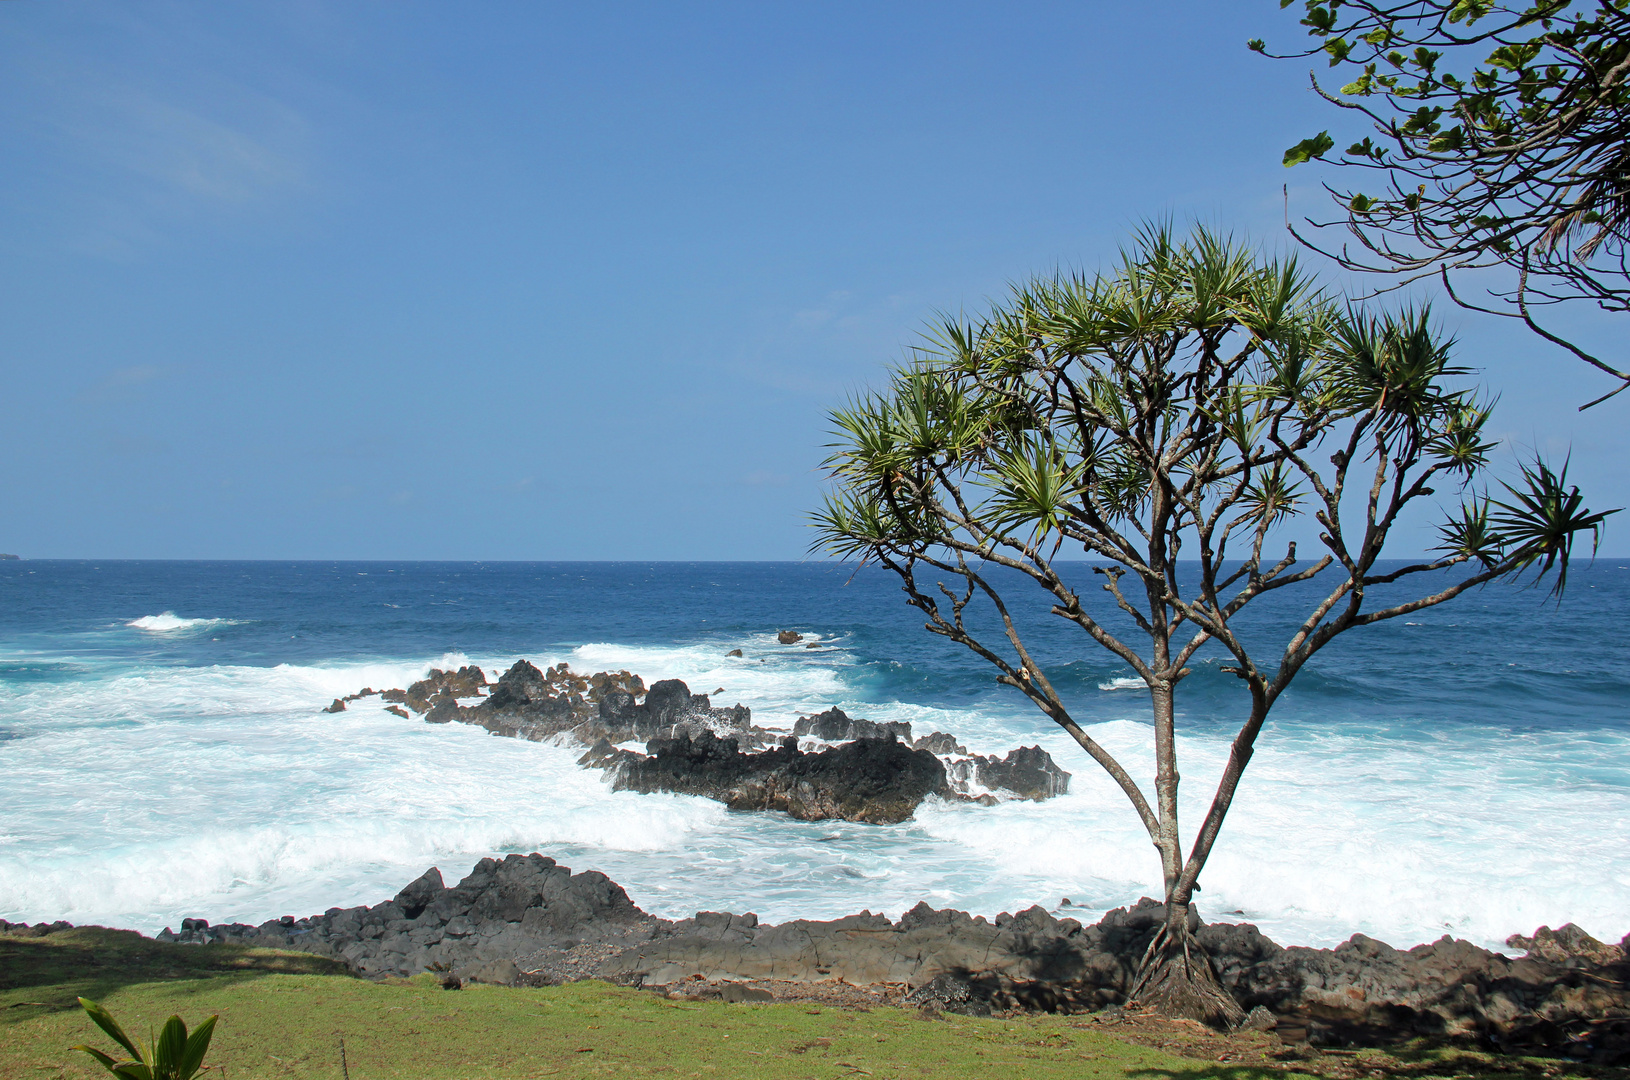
(835, 725)
(789, 637)
(733, 652)
(940, 743)
(1028, 771)
(338, 706)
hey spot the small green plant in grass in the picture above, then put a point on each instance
(172, 1054)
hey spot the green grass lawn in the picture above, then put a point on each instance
(285, 1014)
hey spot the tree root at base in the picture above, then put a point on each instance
(1178, 979)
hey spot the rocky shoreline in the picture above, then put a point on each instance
(525, 920)
(830, 765)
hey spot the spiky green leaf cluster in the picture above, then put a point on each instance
(1186, 379)
(1194, 383)
(1540, 523)
(172, 1054)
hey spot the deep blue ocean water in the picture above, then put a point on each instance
(1463, 770)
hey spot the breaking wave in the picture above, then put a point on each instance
(168, 622)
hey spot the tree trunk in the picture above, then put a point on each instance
(1177, 977)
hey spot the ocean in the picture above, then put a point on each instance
(1464, 770)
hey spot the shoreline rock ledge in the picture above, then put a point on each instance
(527, 920)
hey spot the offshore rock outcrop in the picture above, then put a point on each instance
(536, 705)
(834, 725)
(878, 781)
(869, 772)
(526, 919)
(1029, 772)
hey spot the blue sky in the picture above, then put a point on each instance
(547, 281)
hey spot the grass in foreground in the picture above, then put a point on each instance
(284, 1015)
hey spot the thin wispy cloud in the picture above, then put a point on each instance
(122, 380)
(137, 156)
(124, 445)
(204, 156)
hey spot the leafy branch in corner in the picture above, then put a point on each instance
(1497, 139)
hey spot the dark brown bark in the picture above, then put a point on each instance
(1177, 977)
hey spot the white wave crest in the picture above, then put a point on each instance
(1125, 683)
(169, 622)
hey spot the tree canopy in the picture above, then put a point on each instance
(1185, 402)
(1498, 139)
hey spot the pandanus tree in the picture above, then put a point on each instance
(1185, 403)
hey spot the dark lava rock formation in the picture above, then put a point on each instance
(834, 725)
(536, 705)
(879, 781)
(526, 919)
(1028, 772)
(875, 774)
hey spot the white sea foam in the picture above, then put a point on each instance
(169, 622)
(1123, 683)
(137, 798)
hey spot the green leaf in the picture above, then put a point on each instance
(1543, 519)
(1469, 11)
(1319, 19)
(1308, 149)
(104, 1020)
(1272, 496)
(1514, 57)
(107, 1062)
(169, 1048)
(1471, 535)
(1360, 203)
(1256, 44)
(197, 1047)
(1448, 140)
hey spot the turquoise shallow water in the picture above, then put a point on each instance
(1466, 770)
